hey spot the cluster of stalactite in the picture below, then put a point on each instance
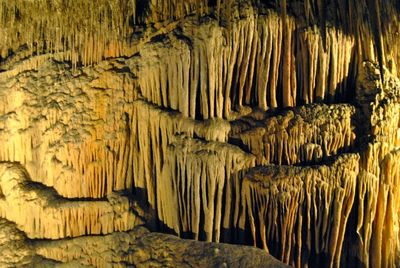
(373, 188)
(209, 72)
(152, 131)
(191, 117)
(41, 213)
(73, 143)
(85, 32)
(300, 213)
(59, 128)
(175, 9)
(101, 142)
(373, 23)
(377, 243)
(306, 134)
(324, 66)
(198, 193)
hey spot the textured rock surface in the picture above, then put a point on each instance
(41, 213)
(377, 234)
(267, 123)
(138, 248)
(300, 213)
(305, 134)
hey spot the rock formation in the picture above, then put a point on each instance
(137, 247)
(273, 124)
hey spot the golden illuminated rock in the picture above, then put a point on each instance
(138, 247)
(299, 212)
(41, 213)
(267, 123)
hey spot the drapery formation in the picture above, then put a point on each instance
(269, 123)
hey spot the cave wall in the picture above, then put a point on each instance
(269, 123)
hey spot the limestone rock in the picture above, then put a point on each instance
(266, 123)
(139, 248)
(305, 134)
(300, 213)
(41, 213)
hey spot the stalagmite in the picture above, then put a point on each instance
(139, 248)
(16, 249)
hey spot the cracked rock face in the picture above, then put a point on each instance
(271, 125)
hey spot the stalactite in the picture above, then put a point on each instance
(289, 90)
(41, 213)
(377, 246)
(385, 247)
(309, 133)
(57, 135)
(156, 128)
(300, 213)
(368, 185)
(184, 115)
(193, 189)
(327, 69)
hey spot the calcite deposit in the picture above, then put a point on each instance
(300, 213)
(135, 248)
(127, 127)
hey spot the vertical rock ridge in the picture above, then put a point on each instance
(378, 246)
